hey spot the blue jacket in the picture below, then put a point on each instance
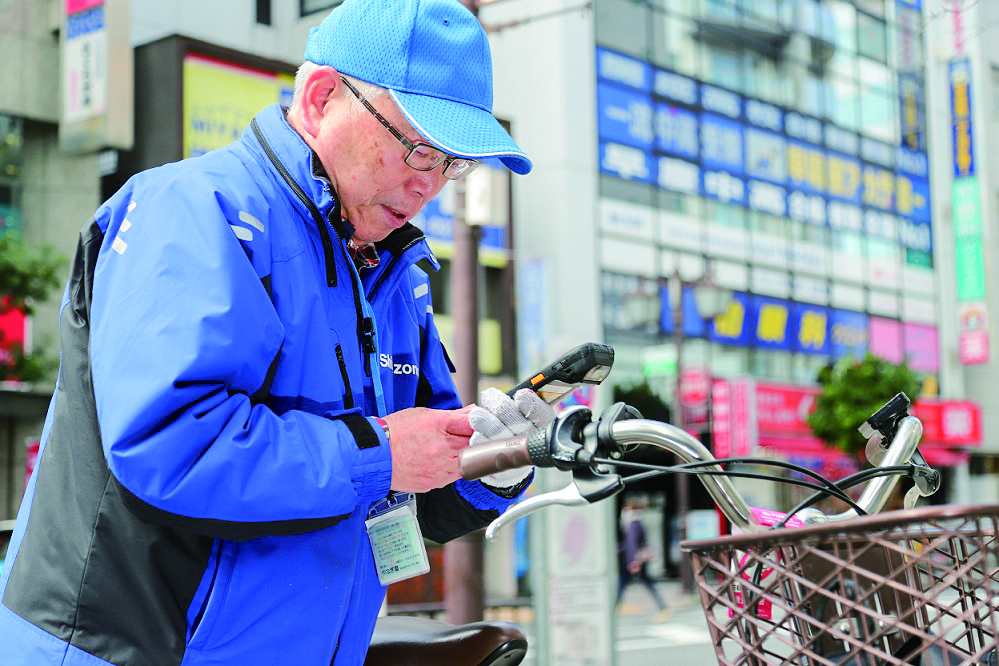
(209, 456)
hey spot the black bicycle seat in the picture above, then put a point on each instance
(417, 641)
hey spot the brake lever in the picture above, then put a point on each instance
(587, 487)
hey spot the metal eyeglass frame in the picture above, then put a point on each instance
(451, 162)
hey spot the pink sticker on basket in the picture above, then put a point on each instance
(767, 518)
(764, 608)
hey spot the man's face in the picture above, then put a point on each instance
(378, 191)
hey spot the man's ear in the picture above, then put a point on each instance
(316, 96)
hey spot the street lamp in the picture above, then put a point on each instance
(710, 300)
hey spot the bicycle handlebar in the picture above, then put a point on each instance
(572, 441)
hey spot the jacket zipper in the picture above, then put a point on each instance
(324, 232)
(348, 395)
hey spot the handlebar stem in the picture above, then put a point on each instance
(877, 492)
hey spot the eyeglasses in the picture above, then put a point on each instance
(421, 156)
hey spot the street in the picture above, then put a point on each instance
(643, 640)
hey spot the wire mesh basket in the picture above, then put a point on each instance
(906, 587)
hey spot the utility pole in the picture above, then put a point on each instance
(464, 557)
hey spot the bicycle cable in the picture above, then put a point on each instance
(827, 487)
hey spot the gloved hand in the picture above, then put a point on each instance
(498, 416)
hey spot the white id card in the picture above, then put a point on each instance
(397, 544)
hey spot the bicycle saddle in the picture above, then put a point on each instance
(417, 641)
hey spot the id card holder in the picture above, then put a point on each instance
(396, 541)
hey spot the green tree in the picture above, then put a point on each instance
(852, 390)
(27, 276)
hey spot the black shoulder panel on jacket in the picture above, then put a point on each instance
(88, 571)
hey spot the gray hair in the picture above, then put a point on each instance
(369, 90)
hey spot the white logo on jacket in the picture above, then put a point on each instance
(398, 368)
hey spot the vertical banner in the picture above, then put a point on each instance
(97, 80)
(969, 264)
(960, 109)
(969, 273)
(85, 59)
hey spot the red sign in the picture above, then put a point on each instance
(11, 327)
(783, 410)
(949, 423)
(31, 459)
(720, 418)
(695, 384)
(750, 414)
(74, 6)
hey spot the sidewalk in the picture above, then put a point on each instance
(638, 601)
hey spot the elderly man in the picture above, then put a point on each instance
(255, 424)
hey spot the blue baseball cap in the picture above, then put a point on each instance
(433, 58)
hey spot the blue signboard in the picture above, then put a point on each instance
(676, 131)
(770, 323)
(915, 235)
(733, 326)
(667, 129)
(627, 162)
(844, 177)
(675, 87)
(810, 328)
(912, 197)
(766, 156)
(623, 70)
(806, 167)
(721, 143)
(624, 116)
(847, 333)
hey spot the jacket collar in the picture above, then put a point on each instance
(298, 159)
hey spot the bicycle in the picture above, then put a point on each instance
(905, 587)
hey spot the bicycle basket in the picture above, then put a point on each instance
(906, 587)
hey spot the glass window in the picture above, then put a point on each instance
(724, 68)
(673, 45)
(995, 91)
(720, 9)
(807, 366)
(842, 103)
(810, 233)
(728, 215)
(627, 190)
(312, 6)
(675, 202)
(621, 25)
(877, 116)
(838, 25)
(766, 223)
(11, 162)
(771, 364)
(872, 7)
(813, 96)
(872, 37)
(728, 361)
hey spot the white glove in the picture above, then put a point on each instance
(498, 416)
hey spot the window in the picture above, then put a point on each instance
(307, 7)
(872, 37)
(673, 43)
(264, 12)
(995, 91)
(623, 26)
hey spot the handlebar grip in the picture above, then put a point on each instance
(500, 455)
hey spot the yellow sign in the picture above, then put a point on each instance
(221, 98)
